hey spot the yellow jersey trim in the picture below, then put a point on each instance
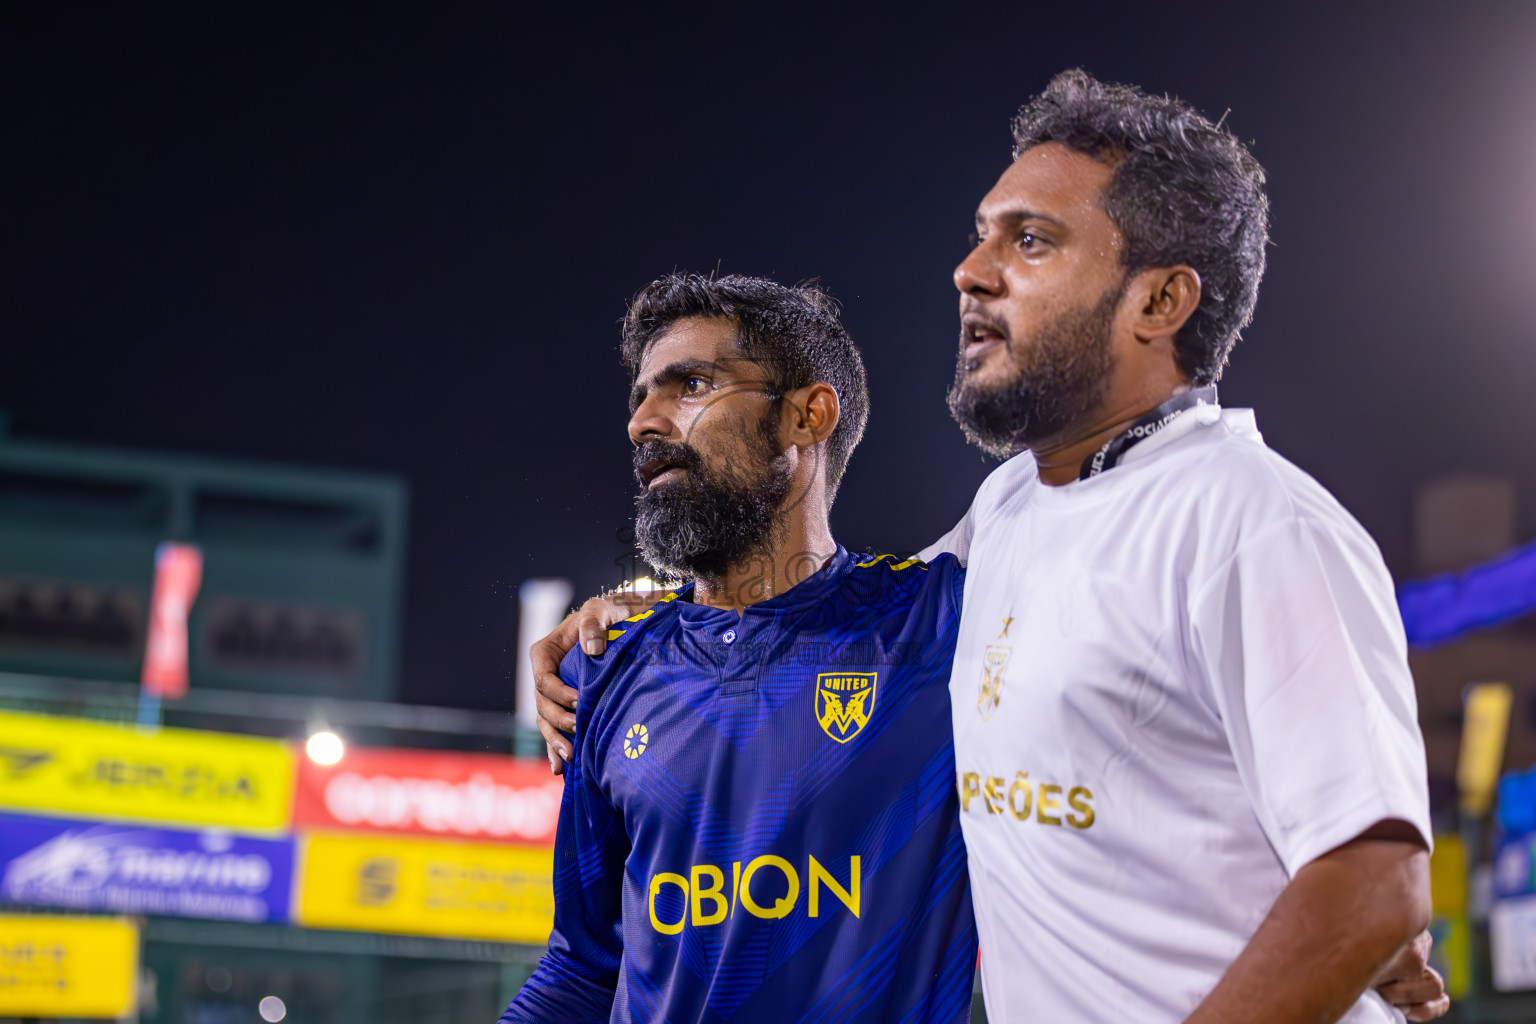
(894, 565)
(620, 628)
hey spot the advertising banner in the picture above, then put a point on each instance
(1512, 918)
(426, 887)
(68, 967)
(130, 869)
(1512, 942)
(98, 770)
(1451, 953)
(178, 574)
(432, 793)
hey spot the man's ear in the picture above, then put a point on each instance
(1165, 297)
(810, 414)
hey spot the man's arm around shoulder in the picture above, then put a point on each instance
(556, 700)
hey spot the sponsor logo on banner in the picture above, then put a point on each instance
(426, 887)
(135, 870)
(454, 795)
(68, 967)
(98, 770)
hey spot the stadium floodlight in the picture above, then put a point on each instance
(324, 747)
(271, 1008)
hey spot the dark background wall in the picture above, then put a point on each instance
(402, 242)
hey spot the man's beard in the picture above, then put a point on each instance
(701, 526)
(1064, 379)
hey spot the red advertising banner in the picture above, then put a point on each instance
(432, 793)
(178, 574)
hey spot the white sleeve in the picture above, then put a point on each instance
(1300, 641)
(956, 542)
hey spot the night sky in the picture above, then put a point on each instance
(403, 243)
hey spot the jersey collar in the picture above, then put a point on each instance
(814, 588)
(1115, 448)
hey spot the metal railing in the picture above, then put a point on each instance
(280, 716)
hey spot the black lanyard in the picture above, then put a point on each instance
(1114, 450)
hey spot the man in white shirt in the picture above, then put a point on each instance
(1186, 733)
(1192, 782)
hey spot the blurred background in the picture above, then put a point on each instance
(311, 417)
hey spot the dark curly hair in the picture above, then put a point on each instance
(1184, 191)
(793, 333)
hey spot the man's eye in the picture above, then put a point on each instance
(975, 239)
(1029, 240)
(695, 385)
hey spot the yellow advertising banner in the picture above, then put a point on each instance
(68, 966)
(1451, 954)
(426, 887)
(72, 767)
(1484, 728)
(1448, 875)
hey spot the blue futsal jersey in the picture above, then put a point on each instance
(760, 820)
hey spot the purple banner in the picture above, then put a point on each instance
(1440, 609)
(128, 869)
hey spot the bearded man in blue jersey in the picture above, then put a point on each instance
(760, 821)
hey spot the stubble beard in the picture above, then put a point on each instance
(1064, 381)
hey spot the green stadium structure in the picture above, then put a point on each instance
(302, 572)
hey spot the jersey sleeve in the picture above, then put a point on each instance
(956, 542)
(577, 977)
(1304, 655)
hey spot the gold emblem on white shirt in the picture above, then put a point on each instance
(993, 662)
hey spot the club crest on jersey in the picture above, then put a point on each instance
(844, 703)
(993, 662)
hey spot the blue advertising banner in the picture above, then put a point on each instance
(128, 869)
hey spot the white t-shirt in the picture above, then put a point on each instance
(1176, 683)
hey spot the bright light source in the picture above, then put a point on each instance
(643, 585)
(271, 1008)
(324, 747)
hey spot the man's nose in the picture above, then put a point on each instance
(980, 274)
(650, 421)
